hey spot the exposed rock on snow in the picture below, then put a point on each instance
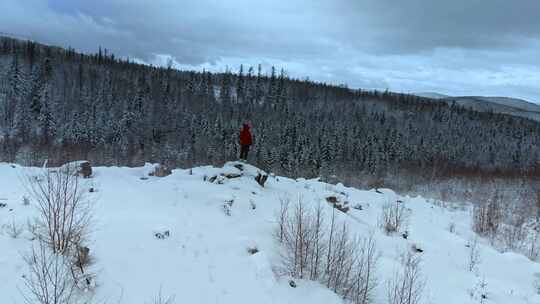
(161, 171)
(162, 233)
(261, 179)
(80, 167)
(341, 206)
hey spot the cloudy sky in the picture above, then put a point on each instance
(459, 47)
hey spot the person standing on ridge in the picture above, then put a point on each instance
(245, 142)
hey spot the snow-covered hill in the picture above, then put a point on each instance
(213, 224)
(432, 95)
(504, 105)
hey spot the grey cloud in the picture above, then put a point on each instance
(456, 47)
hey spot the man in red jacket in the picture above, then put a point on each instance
(245, 142)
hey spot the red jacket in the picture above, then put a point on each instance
(245, 136)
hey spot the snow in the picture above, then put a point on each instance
(505, 105)
(205, 258)
(432, 95)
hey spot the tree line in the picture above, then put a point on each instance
(61, 105)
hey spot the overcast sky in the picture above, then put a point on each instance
(458, 47)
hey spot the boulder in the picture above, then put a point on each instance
(261, 179)
(332, 199)
(253, 250)
(161, 171)
(161, 235)
(85, 169)
(337, 204)
(232, 175)
(239, 167)
(220, 179)
(416, 248)
(80, 167)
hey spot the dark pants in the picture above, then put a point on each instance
(244, 150)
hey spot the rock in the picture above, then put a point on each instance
(85, 169)
(292, 283)
(261, 179)
(337, 204)
(416, 248)
(253, 250)
(3, 205)
(217, 179)
(220, 179)
(227, 209)
(332, 199)
(231, 175)
(239, 167)
(161, 171)
(341, 208)
(162, 235)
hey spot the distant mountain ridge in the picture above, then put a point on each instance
(504, 105)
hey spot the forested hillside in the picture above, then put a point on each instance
(59, 105)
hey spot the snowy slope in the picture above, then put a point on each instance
(205, 260)
(504, 105)
(432, 95)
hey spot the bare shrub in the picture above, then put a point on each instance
(514, 232)
(32, 227)
(282, 218)
(407, 285)
(341, 259)
(329, 254)
(162, 299)
(532, 249)
(393, 217)
(49, 280)
(79, 259)
(473, 254)
(13, 229)
(297, 234)
(64, 210)
(537, 204)
(452, 227)
(488, 216)
(364, 280)
(536, 283)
